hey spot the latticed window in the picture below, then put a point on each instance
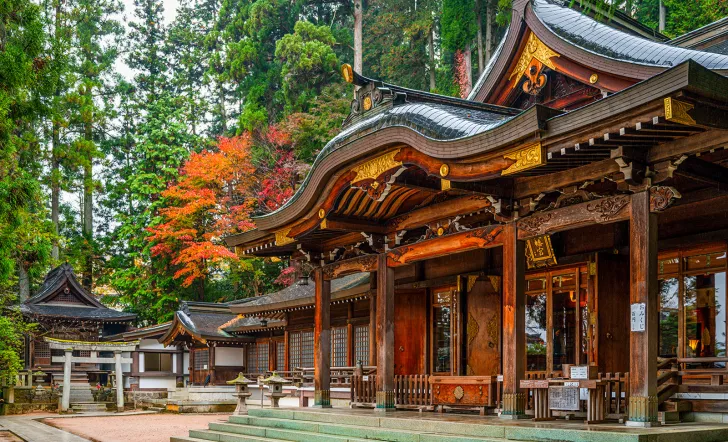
(294, 349)
(338, 346)
(65, 298)
(280, 355)
(307, 349)
(252, 359)
(262, 356)
(42, 349)
(361, 344)
(202, 359)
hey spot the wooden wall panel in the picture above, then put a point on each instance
(483, 330)
(455, 264)
(613, 312)
(410, 331)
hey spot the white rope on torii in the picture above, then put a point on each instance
(94, 347)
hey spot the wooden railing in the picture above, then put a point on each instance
(617, 394)
(412, 390)
(363, 391)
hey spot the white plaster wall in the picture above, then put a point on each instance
(229, 356)
(141, 362)
(186, 362)
(152, 344)
(168, 382)
(126, 368)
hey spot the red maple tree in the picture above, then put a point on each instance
(210, 200)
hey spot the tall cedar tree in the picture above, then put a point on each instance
(25, 235)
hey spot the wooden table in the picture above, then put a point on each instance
(595, 402)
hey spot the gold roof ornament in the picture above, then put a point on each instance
(282, 237)
(347, 72)
(525, 158)
(240, 380)
(535, 48)
(677, 111)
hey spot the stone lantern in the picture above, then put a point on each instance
(275, 387)
(241, 392)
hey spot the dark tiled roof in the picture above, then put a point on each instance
(58, 278)
(302, 294)
(76, 312)
(252, 324)
(605, 41)
(442, 121)
(712, 37)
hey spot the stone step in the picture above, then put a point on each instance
(301, 431)
(88, 407)
(385, 425)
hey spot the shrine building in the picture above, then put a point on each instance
(554, 245)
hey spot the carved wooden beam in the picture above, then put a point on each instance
(484, 237)
(352, 225)
(447, 209)
(600, 211)
(367, 263)
(605, 210)
(341, 184)
(455, 171)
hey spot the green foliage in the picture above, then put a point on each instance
(458, 24)
(308, 63)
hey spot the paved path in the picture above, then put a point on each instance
(27, 427)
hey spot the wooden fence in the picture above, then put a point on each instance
(410, 391)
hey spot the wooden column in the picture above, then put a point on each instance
(211, 362)
(350, 336)
(385, 335)
(286, 356)
(514, 323)
(372, 331)
(643, 291)
(322, 341)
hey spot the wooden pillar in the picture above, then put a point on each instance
(211, 363)
(134, 363)
(322, 341)
(350, 336)
(514, 323)
(286, 355)
(192, 364)
(66, 394)
(119, 381)
(643, 294)
(385, 335)
(372, 331)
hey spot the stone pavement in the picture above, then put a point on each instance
(27, 426)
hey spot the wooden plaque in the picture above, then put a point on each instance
(462, 390)
(564, 398)
(534, 383)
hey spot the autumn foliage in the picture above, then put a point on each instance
(211, 200)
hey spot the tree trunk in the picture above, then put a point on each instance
(88, 187)
(23, 283)
(358, 36)
(55, 150)
(55, 188)
(221, 100)
(468, 69)
(431, 44)
(479, 15)
(488, 33)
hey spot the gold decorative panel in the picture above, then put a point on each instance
(677, 111)
(535, 48)
(282, 237)
(526, 158)
(371, 169)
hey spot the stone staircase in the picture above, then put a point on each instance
(271, 425)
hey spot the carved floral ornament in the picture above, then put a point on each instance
(282, 237)
(534, 57)
(608, 207)
(661, 197)
(526, 158)
(377, 175)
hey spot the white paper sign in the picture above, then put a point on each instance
(500, 378)
(579, 372)
(584, 394)
(571, 384)
(365, 378)
(638, 317)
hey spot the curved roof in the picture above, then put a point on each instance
(432, 120)
(605, 41)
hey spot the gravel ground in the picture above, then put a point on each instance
(141, 428)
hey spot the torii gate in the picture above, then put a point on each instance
(94, 347)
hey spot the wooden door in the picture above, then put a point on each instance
(410, 331)
(483, 327)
